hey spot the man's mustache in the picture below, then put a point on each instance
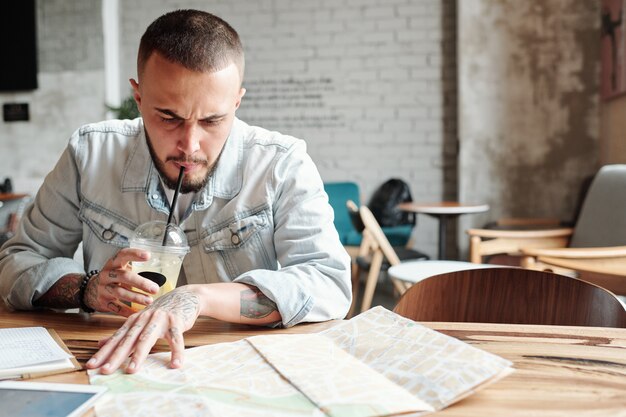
(184, 160)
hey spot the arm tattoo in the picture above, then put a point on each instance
(255, 304)
(63, 294)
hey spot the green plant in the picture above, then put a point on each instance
(127, 109)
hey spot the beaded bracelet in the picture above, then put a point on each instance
(82, 288)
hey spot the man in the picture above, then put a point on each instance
(263, 247)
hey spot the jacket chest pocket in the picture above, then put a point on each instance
(106, 228)
(242, 245)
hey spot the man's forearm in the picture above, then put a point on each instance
(237, 303)
(63, 294)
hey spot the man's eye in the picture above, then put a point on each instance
(168, 120)
(212, 122)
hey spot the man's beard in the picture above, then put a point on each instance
(188, 185)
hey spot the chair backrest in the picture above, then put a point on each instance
(376, 233)
(338, 194)
(511, 295)
(602, 219)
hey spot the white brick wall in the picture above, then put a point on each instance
(372, 69)
(381, 115)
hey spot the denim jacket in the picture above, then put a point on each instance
(262, 219)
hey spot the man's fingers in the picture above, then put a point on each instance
(127, 279)
(121, 309)
(123, 349)
(108, 346)
(117, 292)
(174, 336)
(147, 339)
(126, 255)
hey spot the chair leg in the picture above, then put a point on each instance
(372, 280)
(400, 286)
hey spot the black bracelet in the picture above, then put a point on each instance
(81, 291)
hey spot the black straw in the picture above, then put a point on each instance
(179, 182)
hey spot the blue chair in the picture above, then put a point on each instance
(338, 194)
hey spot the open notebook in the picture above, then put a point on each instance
(376, 364)
(30, 352)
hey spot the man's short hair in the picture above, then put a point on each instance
(197, 40)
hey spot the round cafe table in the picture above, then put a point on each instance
(443, 211)
(415, 271)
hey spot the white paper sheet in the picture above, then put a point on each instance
(28, 346)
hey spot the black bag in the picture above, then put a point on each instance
(385, 200)
(7, 186)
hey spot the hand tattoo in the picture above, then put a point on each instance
(174, 332)
(115, 308)
(147, 331)
(255, 304)
(181, 301)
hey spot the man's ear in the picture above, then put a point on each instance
(136, 94)
(242, 92)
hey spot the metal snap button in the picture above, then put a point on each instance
(235, 239)
(155, 196)
(108, 234)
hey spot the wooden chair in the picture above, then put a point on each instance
(588, 264)
(511, 295)
(595, 247)
(375, 254)
(489, 242)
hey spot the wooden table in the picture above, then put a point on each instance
(560, 371)
(443, 211)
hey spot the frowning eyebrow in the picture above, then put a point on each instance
(170, 113)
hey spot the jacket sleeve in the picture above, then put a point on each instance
(313, 281)
(41, 252)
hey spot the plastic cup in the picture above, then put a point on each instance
(167, 245)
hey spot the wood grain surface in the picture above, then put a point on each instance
(559, 370)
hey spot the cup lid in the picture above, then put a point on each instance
(158, 233)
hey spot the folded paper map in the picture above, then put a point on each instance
(376, 364)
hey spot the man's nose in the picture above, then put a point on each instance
(189, 142)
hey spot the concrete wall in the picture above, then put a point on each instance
(70, 93)
(529, 105)
(613, 131)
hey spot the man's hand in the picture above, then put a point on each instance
(168, 317)
(114, 287)
(176, 312)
